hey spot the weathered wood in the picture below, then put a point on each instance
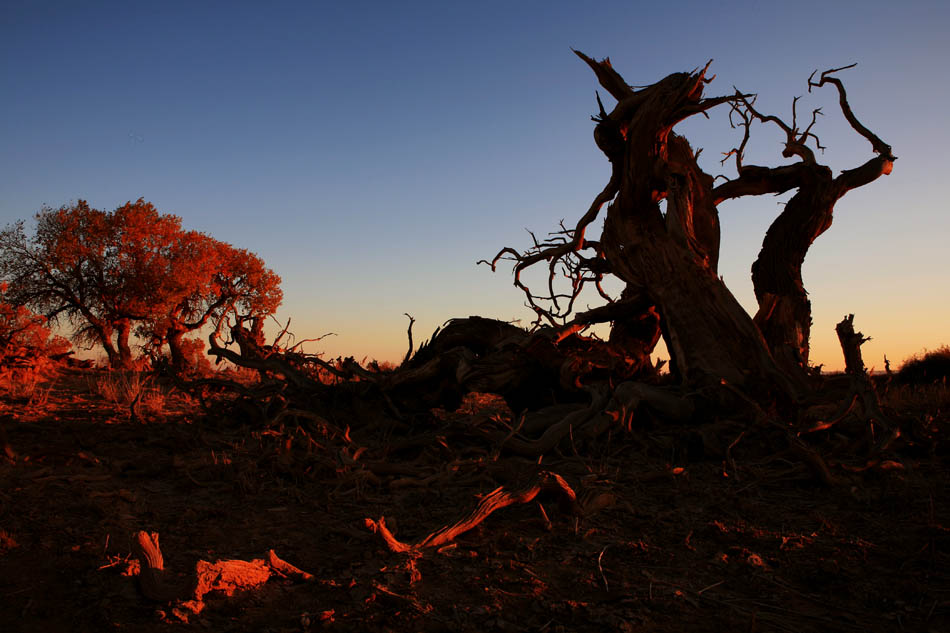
(222, 576)
(861, 385)
(152, 577)
(851, 343)
(495, 500)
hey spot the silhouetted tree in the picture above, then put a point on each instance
(784, 315)
(668, 261)
(569, 388)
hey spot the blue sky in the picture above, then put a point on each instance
(371, 152)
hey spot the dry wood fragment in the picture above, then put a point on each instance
(225, 576)
(152, 575)
(229, 576)
(284, 568)
(495, 500)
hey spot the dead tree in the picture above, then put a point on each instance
(784, 315)
(668, 261)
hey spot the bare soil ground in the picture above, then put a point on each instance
(689, 542)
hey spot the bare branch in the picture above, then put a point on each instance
(283, 331)
(310, 340)
(746, 124)
(877, 144)
(794, 144)
(556, 250)
(808, 133)
(609, 78)
(706, 104)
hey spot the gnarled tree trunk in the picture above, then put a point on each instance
(784, 314)
(673, 259)
(669, 260)
(123, 331)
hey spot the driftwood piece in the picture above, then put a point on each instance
(495, 500)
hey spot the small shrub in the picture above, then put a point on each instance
(123, 388)
(26, 385)
(29, 352)
(932, 367)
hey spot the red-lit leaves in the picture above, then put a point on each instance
(109, 273)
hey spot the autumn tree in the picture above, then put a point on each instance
(65, 272)
(106, 273)
(25, 336)
(214, 280)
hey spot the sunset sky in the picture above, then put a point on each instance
(371, 152)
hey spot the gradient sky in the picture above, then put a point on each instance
(371, 152)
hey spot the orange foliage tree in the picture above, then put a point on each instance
(25, 336)
(105, 273)
(213, 279)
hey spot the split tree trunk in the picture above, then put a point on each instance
(672, 259)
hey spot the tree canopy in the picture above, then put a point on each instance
(106, 274)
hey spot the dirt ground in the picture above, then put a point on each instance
(687, 541)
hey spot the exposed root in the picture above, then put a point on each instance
(495, 500)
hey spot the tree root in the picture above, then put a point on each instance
(495, 500)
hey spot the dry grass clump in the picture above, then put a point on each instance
(921, 385)
(132, 390)
(27, 386)
(933, 399)
(29, 354)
